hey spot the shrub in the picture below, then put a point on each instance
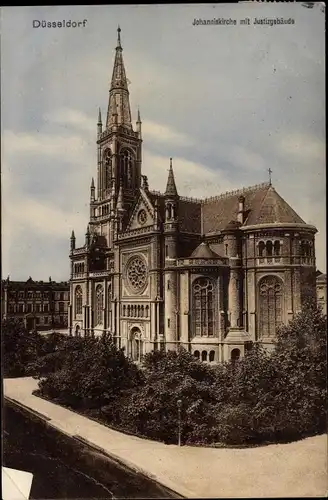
(92, 374)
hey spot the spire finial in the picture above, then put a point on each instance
(171, 159)
(138, 117)
(270, 179)
(119, 37)
(99, 116)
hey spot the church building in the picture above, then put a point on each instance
(158, 270)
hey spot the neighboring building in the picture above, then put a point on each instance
(321, 284)
(159, 270)
(41, 305)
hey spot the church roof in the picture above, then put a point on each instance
(203, 251)
(273, 209)
(262, 205)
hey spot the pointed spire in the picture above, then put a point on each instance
(138, 129)
(88, 229)
(119, 92)
(73, 241)
(92, 183)
(119, 205)
(99, 124)
(118, 38)
(171, 189)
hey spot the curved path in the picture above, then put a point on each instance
(290, 470)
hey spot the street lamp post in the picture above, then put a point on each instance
(179, 403)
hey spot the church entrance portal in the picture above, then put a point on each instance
(136, 344)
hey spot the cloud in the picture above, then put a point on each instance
(71, 118)
(162, 133)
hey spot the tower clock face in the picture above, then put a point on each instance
(142, 217)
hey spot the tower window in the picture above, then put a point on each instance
(126, 168)
(168, 323)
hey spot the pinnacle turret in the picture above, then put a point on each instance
(120, 204)
(171, 189)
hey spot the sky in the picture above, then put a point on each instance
(227, 102)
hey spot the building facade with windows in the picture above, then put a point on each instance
(321, 285)
(42, 305)
(158, 270)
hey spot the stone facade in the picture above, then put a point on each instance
(42, 305)
(321, 285)
(158, 270)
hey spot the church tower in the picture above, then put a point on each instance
(119, 153)
(112, 193)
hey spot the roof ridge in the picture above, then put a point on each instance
(220, 196)
(235, 192)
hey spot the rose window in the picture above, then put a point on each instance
(142, 217)
(137, 274)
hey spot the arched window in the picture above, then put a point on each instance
(78, 300)
(203, 308)
(204, 355)
(196, 354)
(126, 167)
(99, 304)
(136, 345)
(128, 311)
(147, 311)
(269, 247)
(77, 331)
(107, 169)
(124, 309)
(261, 248)
(276, 248)
(235, 355)
(212, 356)
(270, 305)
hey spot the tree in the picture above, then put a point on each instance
(93, 373)
(20, 347)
